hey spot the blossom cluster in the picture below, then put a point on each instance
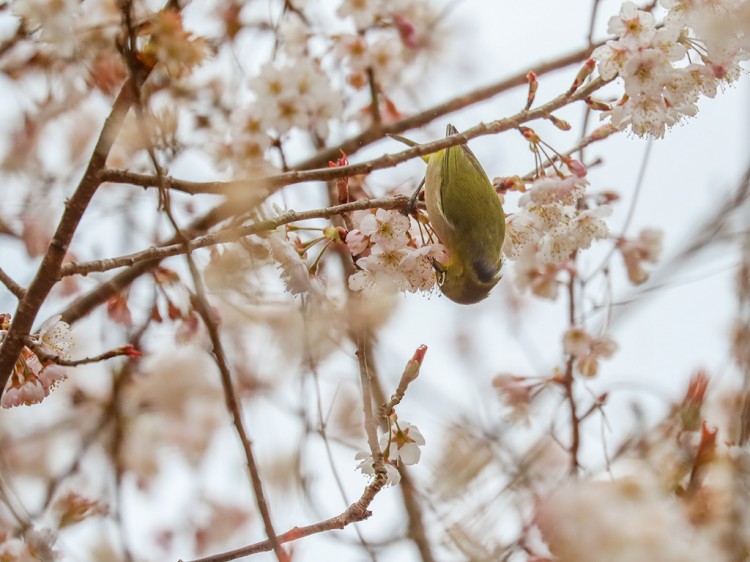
(33, 378)
(36, 544)
(388, 255)
(549, 228)
(677, 496)
(400, 445)
(295, 92)
(628, 519)
(374, 47)
(658, 94)
(299, 95)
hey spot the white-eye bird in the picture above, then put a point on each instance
(468, 218)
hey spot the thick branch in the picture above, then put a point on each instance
(76, 205)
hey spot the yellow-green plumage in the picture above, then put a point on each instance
(466, 214)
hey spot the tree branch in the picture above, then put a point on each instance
(228, 235)
(17, 290)
(273, 183)
(48, 272)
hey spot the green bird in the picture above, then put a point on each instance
(468, 218)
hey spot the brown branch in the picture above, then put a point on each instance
(228, 235)
(17, 290)
(76, 205)
(125, 351)
(273, 183)
(371, 135)
(377, 119)
(233, 405)
(416, 530)
(358, 510)
(355, 513)
(568, 382)
(112, 175)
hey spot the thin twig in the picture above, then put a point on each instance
(126, 351)
(228, 235)
(356, 512)
(569, 382)
(416, 527)
(268, 185)
(11, 285)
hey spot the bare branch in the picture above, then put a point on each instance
(11, 285)
(229, 235)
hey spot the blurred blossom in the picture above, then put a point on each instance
(173, 46)
(295, 96)
(294, 33)
(72, 508)
(363, 12)
(516, 394)
(182, 413)
(54, 19)
(647, 248)
(625, 520)
(587, 350)
(40, 543)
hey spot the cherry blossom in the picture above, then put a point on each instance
(658, 92)
(550, 221)
(399, 445)
(390, 257)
